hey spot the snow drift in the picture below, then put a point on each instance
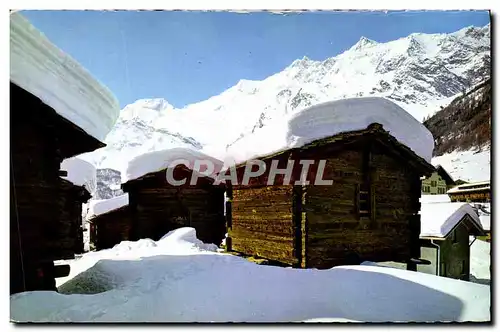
(174, 280)
(39, 67)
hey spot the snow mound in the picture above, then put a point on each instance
(480, 261)
(39, 67)
(98, 207)
(158, 160)
(186, 236)
(435, 199)
(80, 173)
(174, 281)
(438, 219)
(334, 117)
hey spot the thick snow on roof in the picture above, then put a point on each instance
(330, 118)
(438, 219)
(39, 67)
(435, 199)
(158, 160)
(80, 173)
(98, 207)
(179, 279)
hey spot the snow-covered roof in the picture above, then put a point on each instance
(80, 173)
(39, 67)
(435, 199)
(158, 160)
(334, 117)
(439, 219)
(484, 185)
(98, 207)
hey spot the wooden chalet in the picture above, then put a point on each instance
(45, 217)
(369, 213)
(158, 207)
(479, 192)
(111, 226)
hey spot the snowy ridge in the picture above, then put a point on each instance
(42, 69)
(178, 279)
(98, 207)
(420, 73)
(80, 173)
(438, 219)
(470, 166)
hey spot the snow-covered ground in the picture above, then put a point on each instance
(480, 262)
(180, 279)
(470, 166)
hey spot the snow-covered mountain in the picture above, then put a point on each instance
(420, 72)
(108, 184)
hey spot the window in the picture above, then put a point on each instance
(433, 183)
(462, 268)
(441, 191)
(454, 237)
(426, 189)
(364, 202)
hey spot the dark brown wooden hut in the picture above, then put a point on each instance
(42, 222)
(158, 207)
(71, 200)
(110, 228)
(370, 212)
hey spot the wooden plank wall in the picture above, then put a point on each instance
(160, 210)
(333, 230)
(111, 228)
(262, 223)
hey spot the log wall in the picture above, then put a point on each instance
(262, 223)
(158, 207)
(111, 228)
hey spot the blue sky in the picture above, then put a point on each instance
(187, 57)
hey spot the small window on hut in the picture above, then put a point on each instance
(364, 203)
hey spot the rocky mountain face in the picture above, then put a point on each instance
(420, 72)
(108, 184)
(465, 123)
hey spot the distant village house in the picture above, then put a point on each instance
(438, 183)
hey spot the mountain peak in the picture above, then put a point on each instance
(362, 43)
(155, 104)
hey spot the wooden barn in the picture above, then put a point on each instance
(110, 222)
(158, 206)
(44, 216)
(369, 212)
